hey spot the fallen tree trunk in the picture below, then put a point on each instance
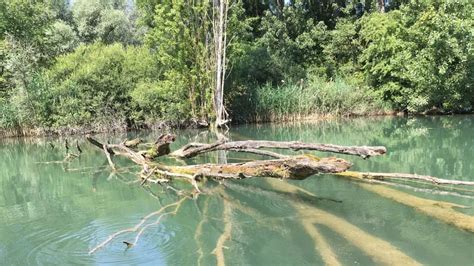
(289, 167)
(193, 149)
(285, 166)
(294, 167)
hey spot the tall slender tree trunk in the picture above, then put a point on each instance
(220, 41)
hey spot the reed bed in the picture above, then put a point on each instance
(317, 99)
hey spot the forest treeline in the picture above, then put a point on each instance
(121, 64)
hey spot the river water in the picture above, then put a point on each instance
(54, 213)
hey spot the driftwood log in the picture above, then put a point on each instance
(294, 167)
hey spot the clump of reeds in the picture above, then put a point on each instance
(314, 98)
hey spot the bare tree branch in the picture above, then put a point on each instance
(194, 149)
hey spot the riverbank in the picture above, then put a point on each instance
(196, 124)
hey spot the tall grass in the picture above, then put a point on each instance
(296, 101)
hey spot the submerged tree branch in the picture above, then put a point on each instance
(226, 234)
(443, 211)
(379, 250)
(320, 244)
(382, 176)
(296, 167)
(140, 224)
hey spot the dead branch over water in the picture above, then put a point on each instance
(288, 167)
(193, 149)
(284, 166)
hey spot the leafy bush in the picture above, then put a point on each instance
(8, 117)
(93, 83)
(161, 100)
(27, 106)
(60, 38)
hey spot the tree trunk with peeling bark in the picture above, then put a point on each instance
(381, 6)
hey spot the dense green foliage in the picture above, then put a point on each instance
(93, 86)
(421, 55)
(119, 64)
(177, 41)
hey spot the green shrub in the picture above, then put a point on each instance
(8, 118)
(161, 100)
(93, 84)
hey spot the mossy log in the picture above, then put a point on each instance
(294, 167)
(161, 146)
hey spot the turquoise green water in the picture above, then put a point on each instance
(54, 213)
